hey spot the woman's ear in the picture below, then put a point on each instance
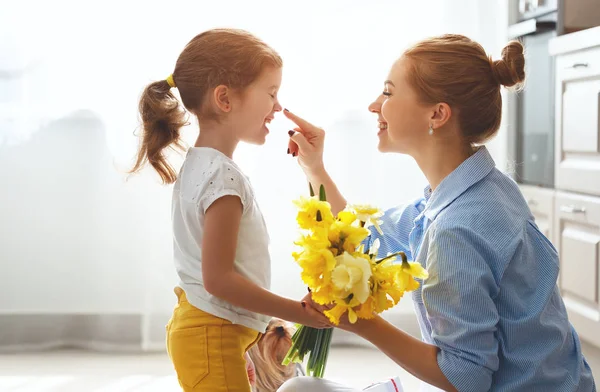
(440, 115)
(222, 98)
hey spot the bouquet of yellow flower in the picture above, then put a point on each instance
(344, 274)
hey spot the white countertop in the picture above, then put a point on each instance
(575, 41)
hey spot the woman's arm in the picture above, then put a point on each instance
(334, 197)
(307, 143)
(221, 226)
(458, 300)
(417, 357)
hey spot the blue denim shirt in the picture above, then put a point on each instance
(491, 303)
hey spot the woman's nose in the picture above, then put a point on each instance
(375, 106)
(278, 107)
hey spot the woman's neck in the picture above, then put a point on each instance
(440, 159)
(218, 138)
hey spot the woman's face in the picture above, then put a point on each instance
(403, 120)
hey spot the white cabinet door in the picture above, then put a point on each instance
(578, 121)
(577, 233)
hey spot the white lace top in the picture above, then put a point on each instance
(207, 175)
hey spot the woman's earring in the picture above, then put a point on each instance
(431, 130)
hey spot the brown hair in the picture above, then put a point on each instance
(456, 70)
(230, 57)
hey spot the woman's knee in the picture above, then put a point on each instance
(291, 385)
(301, 384)
(311, 384)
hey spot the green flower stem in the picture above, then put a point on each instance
(314, 343)
(401, 254)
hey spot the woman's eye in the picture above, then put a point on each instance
(387, 94)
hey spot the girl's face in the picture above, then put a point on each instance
(403, 121)
(256, 106)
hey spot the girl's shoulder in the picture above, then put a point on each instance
(206, 166)
(207, 175)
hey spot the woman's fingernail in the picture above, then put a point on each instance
(291, 133)
(285, 110)
(303, 304)
(288, 151)
(309, 290)
(294, 154)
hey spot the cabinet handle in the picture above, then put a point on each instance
(579, 65)
(572, 209)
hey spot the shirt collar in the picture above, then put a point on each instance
(467, 174)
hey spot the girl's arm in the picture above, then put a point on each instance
(221, 226)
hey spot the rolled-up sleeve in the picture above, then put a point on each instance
(458, 297)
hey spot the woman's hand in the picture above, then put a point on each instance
(307, 143)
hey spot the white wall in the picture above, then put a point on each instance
(75, 237)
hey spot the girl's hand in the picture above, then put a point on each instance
(306, 142)
(250, 369)
(311, 317)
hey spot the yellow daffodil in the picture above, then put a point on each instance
(313, 213)
(334, 314)
(410, 271)
(346, 237)
(347, 217)
(367, 310)
(352, 316)
(389, 284)
(415, 270)
(337, 269)
(323, 295)
(368, 214)
(316, 267)
(317, 240)
(382, 302)
(351, 276)
(342, 275)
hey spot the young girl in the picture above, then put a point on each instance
(490, 313)
(229, 80)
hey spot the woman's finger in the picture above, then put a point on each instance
(299, 121)
(300, 141)
(292, 148)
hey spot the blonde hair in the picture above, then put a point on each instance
(268, 355)
(456, 70)
(230, 57)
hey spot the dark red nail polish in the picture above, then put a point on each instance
(294, 154)
(285, 110)
(303, 304)
(291, 133)
(288, 151)
(309, 290)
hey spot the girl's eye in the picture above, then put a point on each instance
(387, 94)
(272, 96)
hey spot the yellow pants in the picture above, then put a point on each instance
(207, 351)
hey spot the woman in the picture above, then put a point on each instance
(490, 313)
